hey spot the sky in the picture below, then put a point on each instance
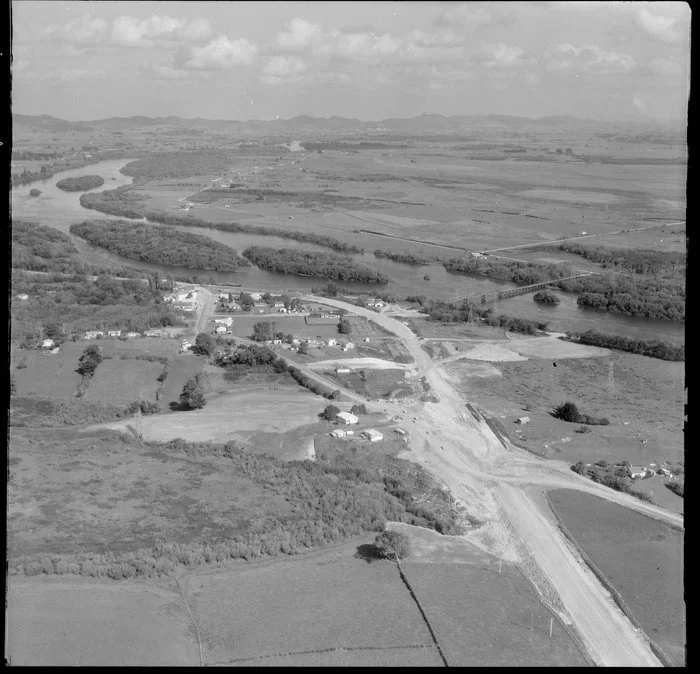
(616, 61)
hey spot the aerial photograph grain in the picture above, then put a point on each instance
(346, 334)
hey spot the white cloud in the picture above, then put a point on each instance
(169, 73)
(71, 74)
(468, 15)
(665, 67)
(508, 56)
(221, 54)
(588, 59)
(284, 65)
(358, 45)
(83, 29)
(132, 32)
(662, 28)
(299, 35)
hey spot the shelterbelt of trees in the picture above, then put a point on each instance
(307, 263)
(635, 260)
(125, 202)
(405, 258)
(633, 295)
(80, 183)
(162, 245)
(653, 348)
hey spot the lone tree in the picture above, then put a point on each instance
(192, 396)
(358, 408)
(344, 327)
(91, 358)
(392, 545)
(330, 412)
(567, 412)
(262, 331)
(204, 344)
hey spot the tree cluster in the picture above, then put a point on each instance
(636, 260)
(88, 362)
(653, 348)
(80, 183)
(162, 245)
(568, 411)
(546, 297)
(312, 263)
(192, 396)
(521, 273)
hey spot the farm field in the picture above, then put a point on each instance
(640, 557)
(330, 600)
(73, 492)
(151, 346)
(47, 374)
(376, 383)
(124, 380)
(295, 325)
(183, 367)
(464, 603)
(81, 622)
(645, 409)
(232, 415)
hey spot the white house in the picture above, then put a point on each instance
(342, 370)
(372, 435)
(346, 345)
(93, 334)
(55, 350)
(279, 304)
(185, 346)
(338, 433)
(346, 418)
(276, 341)
(332, 341)
(114, 333)
(47, 344)
(366, 339)
(256, 296)
(154, 332)
(224, 321)
(636, 471)
(281, 310)
(131, 335)
(23, 296)
(220, 329)
(522, 420)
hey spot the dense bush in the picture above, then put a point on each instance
(332, 500)
(204, 344)
(568, 411)
(392, 545)
(192, 396)
(522, 273)
(80, 183)
(311, 263)
(452, 313)
(405, 258)
(162, 245)
(88, 362)
(546, 297)
(653, 348)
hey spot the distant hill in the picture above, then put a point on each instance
(304, 124)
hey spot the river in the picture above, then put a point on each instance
(60, 209)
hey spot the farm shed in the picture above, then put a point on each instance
(220, 329)
(346, 418)
(522, 420)
(636, 471)
(47, 344)
(93, 334)
(373, 435)
(331, 342)
(114, 333)
(338, 433)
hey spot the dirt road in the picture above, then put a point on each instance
(464, 453)
(205, 305)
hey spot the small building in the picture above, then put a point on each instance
(400, 431)
(373, 435)
(154, 332)
(296, 341)
(278, 304)
(256, 296)
(224, 321)
(379, 304)
(220, 330)
(636, 471)
(366, 340)
(522, 420)
(131, 335)
(114, 333)
(332, 341)
(338, 433)
(345, 345)
(276, 341)
(342, 370)
(23, 297)
(93, 334)
(55, 350)
(47, 344)
(346, 418)
(281, 310)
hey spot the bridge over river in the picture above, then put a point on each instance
(498, 294)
